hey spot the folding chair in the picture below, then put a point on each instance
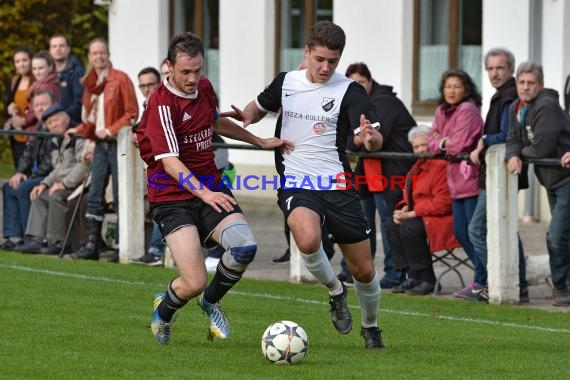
(452, 262)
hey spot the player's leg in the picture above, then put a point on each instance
(347, 223)
(301, 210)
(232, 232)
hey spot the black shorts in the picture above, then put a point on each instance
(339, 210)
(170, 216)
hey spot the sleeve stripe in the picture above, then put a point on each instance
(166, 122)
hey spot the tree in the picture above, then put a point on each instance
(30, 23)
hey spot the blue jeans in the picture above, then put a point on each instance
(17, 205)
(370, 206)
(104, 164)
(463, 210)
(156, 241)
(558, 236)
(478, 237)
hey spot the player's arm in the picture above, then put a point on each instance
(227, 128)
(177, 170)
(269, 100)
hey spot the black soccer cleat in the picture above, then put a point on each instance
(372, 337)
(340, 315)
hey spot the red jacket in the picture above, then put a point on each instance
(432, 202)
(120, 103)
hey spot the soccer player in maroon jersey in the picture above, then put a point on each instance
(188, 201)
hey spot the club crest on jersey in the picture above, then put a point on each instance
(327, 104)
(319, 129)
(186, 117)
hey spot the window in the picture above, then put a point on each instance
(202, 18)
(294, 21)
(447, 34)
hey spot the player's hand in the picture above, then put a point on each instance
(514, 166)
(219, 201)
(371, 138)
(239, 115)
(274, 142)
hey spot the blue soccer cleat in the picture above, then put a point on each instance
(219, 325)
(160, 329)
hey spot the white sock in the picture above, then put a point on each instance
(320, 267)
(369, 299)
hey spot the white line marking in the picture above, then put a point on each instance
(295, 299)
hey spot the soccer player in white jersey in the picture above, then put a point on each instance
(320, 108)
(190, 204)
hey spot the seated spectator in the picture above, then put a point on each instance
(49, 214)
(422, 222)
(33, 166)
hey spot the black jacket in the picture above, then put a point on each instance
(544, 134)
(395, 123)
(36, 161)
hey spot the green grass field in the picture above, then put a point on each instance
(90, 320)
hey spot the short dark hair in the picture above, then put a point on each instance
(359, 68)
(184, 43)
(327, 34)
(149, 70)
(471, 91)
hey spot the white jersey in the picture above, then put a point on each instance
(318, 118)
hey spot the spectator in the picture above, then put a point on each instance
(49, 214)
(45, 78)
(17, 99)
(539, 128)
(109, 104)
(70, 72)
(456, 130)
(500, 66)
(423, 216)
(149, 79)
(395, 123)
(33, 166)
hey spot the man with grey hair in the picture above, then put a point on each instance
(539, 128)
(500, 66)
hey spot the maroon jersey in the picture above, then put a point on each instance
(176, 124)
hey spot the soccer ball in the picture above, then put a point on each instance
(284, 342)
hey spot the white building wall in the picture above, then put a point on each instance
(246, 64)
(380, 34)
(506, 23)
(138, 36)
(556, 44)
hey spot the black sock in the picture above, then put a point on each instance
(170, 304)
(223, 281)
